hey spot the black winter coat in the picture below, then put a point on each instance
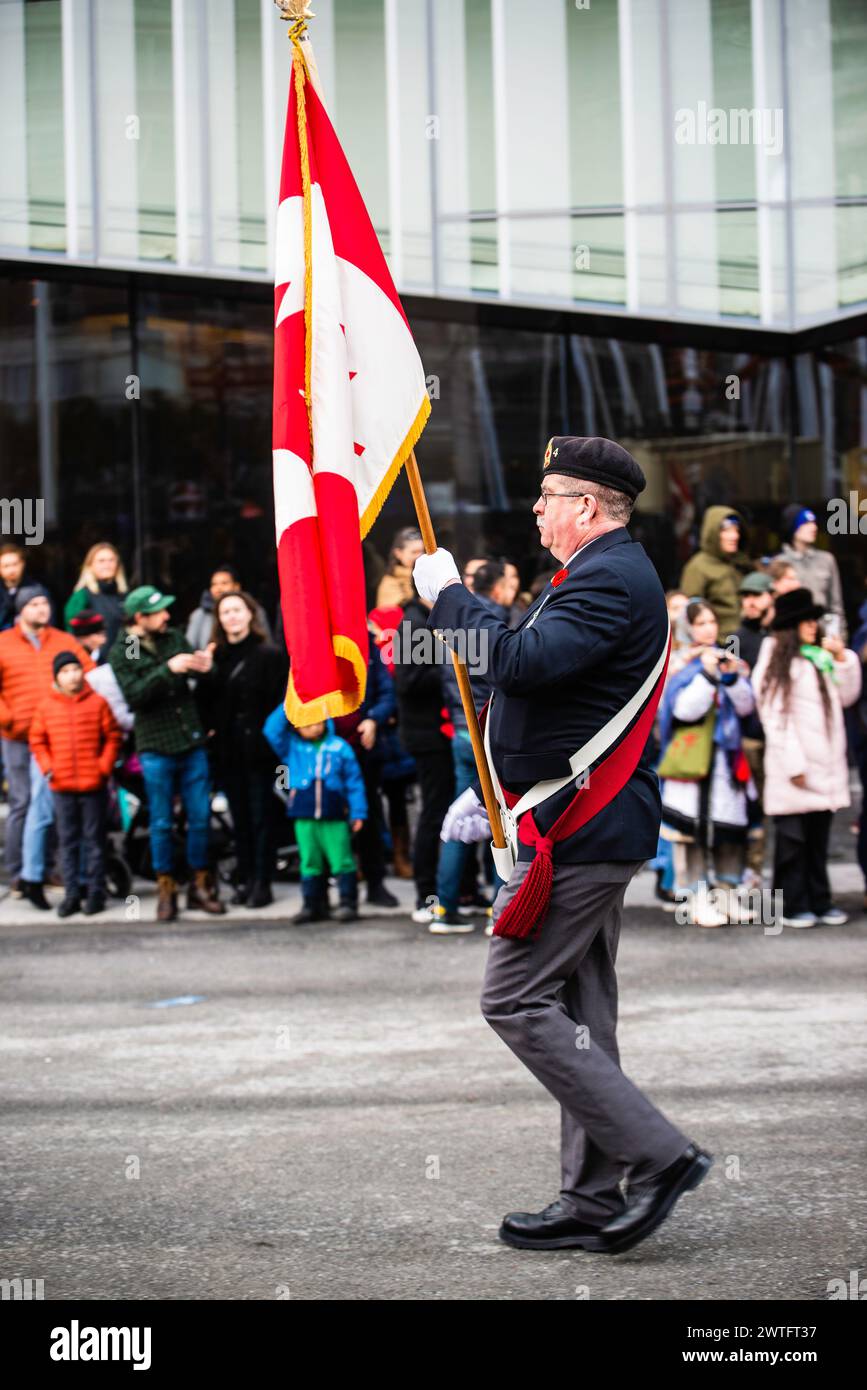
(419, 688)
(248, 680)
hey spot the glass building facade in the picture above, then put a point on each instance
(640, 218)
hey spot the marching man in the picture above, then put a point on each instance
(576, 687)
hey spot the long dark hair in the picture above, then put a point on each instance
(256, 629)
(778, 676)
(401, 538)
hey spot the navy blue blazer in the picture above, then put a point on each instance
(559, 677)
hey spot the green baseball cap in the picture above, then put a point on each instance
(756, 583)
(146, 599)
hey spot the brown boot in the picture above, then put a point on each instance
(400, 856)
(202, 895)
(167, 902)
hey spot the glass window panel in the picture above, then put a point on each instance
(222, 134)
(118, 130)
(696, 264)
(420, 134)
(653, 241)
(14, 215)
(154, 107)
(236, 135)
(851, 224)
(815, 261)
(542, 257)
(206, 365)
(480, 106)
(44, 116)
(849, 56)
(733, 91)
(737, 249)
(362, 126)
(593, 85)
(251, 168)
(598, 259)
(468, 255)
(65, 421)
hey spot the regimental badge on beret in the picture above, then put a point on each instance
(595, 460)
(550, 452)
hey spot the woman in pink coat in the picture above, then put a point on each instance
(801, 691)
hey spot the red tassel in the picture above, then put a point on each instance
(527, 909)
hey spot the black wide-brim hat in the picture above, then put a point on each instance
(797, 606)
(594, 460)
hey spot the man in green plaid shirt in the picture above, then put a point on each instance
(152, 662)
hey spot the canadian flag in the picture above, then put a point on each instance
(350, 402)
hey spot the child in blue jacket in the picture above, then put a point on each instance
(328, 803)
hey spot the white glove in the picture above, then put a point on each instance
(431, 572)
(466, 820)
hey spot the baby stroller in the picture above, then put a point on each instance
(129, 852)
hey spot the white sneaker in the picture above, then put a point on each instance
(423, 916)
(801, 919)
(834, 917)
(707, 916)
(489, 929)
(440, 926)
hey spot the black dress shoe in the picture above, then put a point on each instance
(68, 907)
(260, 895)
(240, 895)
(649, 1203)
(95, 903)
(551, 1229)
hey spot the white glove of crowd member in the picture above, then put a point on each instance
(466, 820)
(432, 572)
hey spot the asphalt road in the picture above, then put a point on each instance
(334, 1118)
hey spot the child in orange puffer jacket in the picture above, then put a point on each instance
(75, 739)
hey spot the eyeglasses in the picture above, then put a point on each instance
(543, 496)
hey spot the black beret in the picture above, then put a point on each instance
(595, 461)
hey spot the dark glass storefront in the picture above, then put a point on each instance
(138, 410)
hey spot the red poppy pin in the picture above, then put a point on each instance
(559, 577)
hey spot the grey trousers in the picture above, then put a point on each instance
(553, 1001)
(16, 760)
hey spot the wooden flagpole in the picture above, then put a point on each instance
(427, 534)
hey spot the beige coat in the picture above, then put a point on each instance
(798, 741)
(395, 589)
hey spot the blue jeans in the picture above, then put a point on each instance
(164, 773)
(37, 823)
(453, 854)
(664, 863)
